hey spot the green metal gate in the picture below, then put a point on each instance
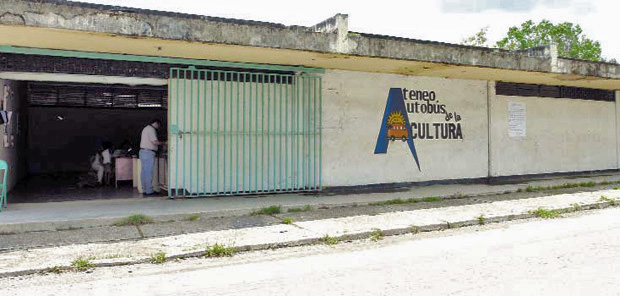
(234, 132)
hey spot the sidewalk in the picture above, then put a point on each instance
(298, 233)
(80, 214)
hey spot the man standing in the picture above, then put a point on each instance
(148, 148)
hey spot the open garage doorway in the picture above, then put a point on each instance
(65, 124)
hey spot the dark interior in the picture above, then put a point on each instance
(67, 123)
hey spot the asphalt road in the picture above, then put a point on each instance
(575, 255)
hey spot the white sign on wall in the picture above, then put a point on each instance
(516, 119)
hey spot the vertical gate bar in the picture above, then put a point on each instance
(297, 129)
(231, 133)
(320, 132)
(197, 131)
(314, 131)
(263, 166)
(204, 139)
(303, 131)
(184, 130)
(237, 140)
(286, 136)
(225, 133)
(269, 132)
(309, 134)
(243, 135)
(280, 136)
(211, 133)
(256, 135)
(217, 146)
(262, 139)
(191, 129)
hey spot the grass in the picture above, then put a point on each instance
(305, 208)
(82, 264)
(400, 201)
(562, 186)
(415, 229)
(271, 210)
(287, 221)
(616, 188)
(158, 258)
(481, 220)
(431, 199)
(193, 218)
(136, 220)
(329, 240)
(377, 235)
(576, 207)
(219, 250)
(546, 214)
(607, 199)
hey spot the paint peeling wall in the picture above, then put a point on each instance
(13, 154)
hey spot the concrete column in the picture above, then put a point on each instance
(617, 130)
(490, 100)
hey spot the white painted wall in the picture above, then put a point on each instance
(353, 107)
(562, 135)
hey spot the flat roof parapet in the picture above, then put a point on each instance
(327, 37)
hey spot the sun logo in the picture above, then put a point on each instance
(396, 118)
(397, 128)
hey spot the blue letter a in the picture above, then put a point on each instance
(395, 107)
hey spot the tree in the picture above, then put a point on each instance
(478, 39)
(570, 41)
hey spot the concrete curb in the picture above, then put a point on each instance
(109, 221)
(17, 228)
(315, 240)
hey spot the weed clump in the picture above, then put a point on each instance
(158, 258)
(219, 250)
(135, 220)
(82, 264)
(546, 214)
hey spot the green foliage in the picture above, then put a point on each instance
(478, 39)
(219, 250)
(136, 219)
(431, 199)
(570, 40)
(546, 214)
(377, 235)
(158, 258)
(329, 240)
(481, 220)
(609, 200)
(268, 211)
(305, 208)
(193, 218)
(287, 221)
(576, 207)
(82, 264)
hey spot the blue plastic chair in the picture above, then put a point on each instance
(4, 170)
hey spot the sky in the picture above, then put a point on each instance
(437, 20)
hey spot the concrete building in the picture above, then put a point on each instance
(253, 107)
